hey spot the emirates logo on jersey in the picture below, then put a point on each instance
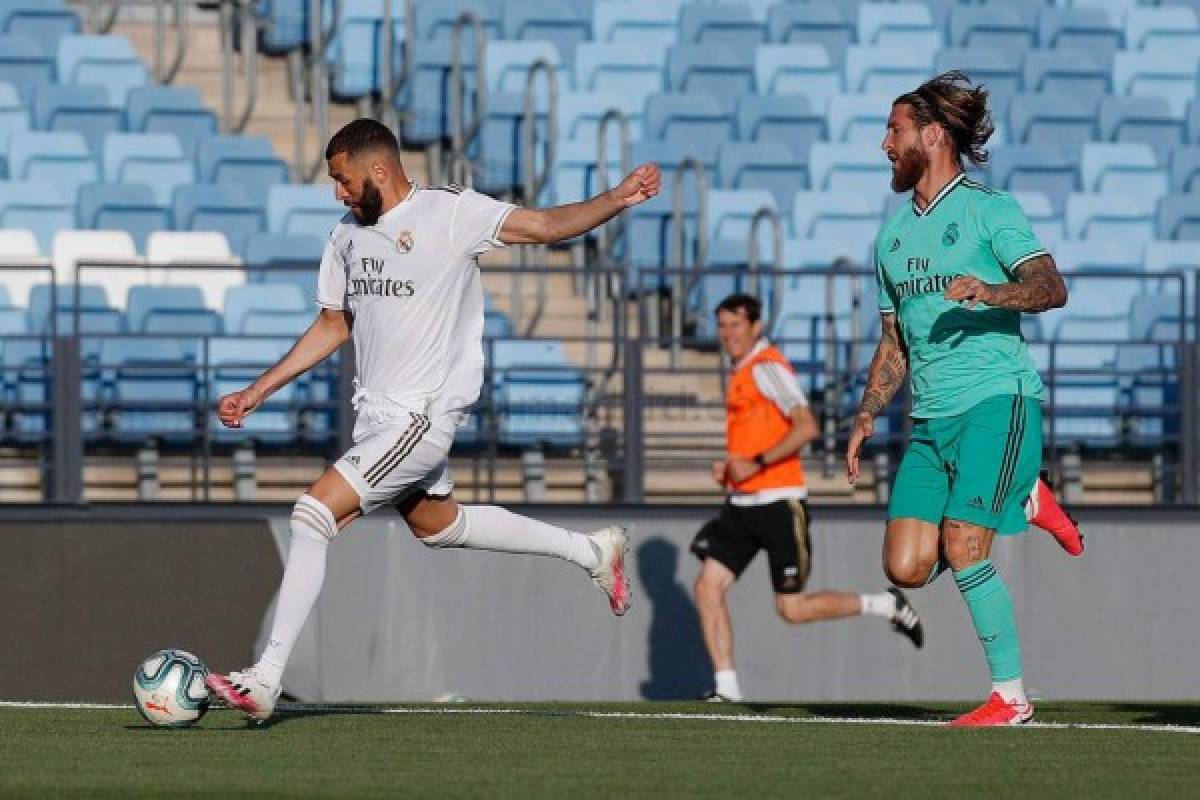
(404, 242)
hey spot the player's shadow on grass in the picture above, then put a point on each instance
(1161, 713)
(678, 663)
(906, 711)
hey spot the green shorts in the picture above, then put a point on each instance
(978, 466)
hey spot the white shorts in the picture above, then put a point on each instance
(397, 458)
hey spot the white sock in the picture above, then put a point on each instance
(881, 605)
(1012, 691)
(727, 684)
(313, 526)
(500, 530)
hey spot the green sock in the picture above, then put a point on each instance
(991, 609)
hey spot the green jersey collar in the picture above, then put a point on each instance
(947, 189)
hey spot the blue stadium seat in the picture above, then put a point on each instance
(1067, 71)
(217, 207)
(129, 207)
(1185, 169)
(1047, 221)
(286, 24)
(1155, 72)
(539, 394)
(25, 66)
(500, 141)
(43, 22)
(1086, 29)
(904, 24)
(154, 390)
(1098, 255)
(999, 70)
(302, 209)
(1039, 168)
(177, 110)
(61, 160)
(233, 362)
(435, 18)
(993, 26)
(13, 320)
(887, 69)
(628, 69)
(846, 216)
(730, 212)
(1154, 317)
(576, 175)
(143, 300)
(729, 24)
(1054, 120)
(837, 167)
(279, 323)
(859, 118)
(563, 24)
(1174, 28)
(1110, 216)
(107, 60)
(508, 64)
(787, 119)
(1179, 217)
(820, 23)
(241, 300)
(579, 114)
(85, 109)
(1166, 256)
(92, 296)
(356, 50)
(1141, 119)
(245, 161)
(652, 26)
(267, 249)
(156, 159)
(1122, 167)
(14, 118)
(804, 69)
(426, 97)
(719, 70)
(696, 122)
(763, 165)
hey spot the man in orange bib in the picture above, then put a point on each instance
(767, 424)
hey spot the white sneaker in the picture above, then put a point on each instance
(612, 544)
(244, 691)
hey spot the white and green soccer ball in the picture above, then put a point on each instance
(169, 690)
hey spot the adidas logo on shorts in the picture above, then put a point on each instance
(976, 502)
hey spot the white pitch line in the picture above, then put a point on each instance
(1192, 730)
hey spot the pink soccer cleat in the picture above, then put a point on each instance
(245, 692)
(1042, 509)
(994, 713)
(612, 544)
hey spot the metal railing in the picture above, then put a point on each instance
(308, 70)
(462, 134)
(684, 281)
(236, 18)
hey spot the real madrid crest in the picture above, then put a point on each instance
(404, 242)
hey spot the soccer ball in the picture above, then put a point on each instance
(169, 690)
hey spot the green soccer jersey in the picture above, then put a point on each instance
(957, 356)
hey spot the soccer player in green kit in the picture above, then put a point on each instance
(956, 269)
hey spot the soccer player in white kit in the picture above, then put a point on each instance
(400, 275)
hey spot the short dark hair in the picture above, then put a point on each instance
(742, 302)
(360, 136)
(952, 101)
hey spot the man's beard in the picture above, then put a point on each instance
(908, 169)
(370, 205)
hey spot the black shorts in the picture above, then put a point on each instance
(780, 528)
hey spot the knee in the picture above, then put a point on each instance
(313, 519)
(907, 572)
(793, 609)
(453, 534)
(709, 592)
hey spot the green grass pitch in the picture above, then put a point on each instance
(604, 751)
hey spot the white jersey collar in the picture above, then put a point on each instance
(759, 346)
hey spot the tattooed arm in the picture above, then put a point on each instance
(1038, 287)
(888, 370)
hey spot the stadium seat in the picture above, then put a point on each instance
(500, 147)
(286, 24)
(233, 363)
(1047, 221)
(787, 119)
(278, 323)
(185, 256)
(1141, 119)
(720, 23)
(886, 69)
(61, 160)
(1179, 217)
(993, 26)
(144, 299)
(87, 110)
(25, 66)
(850, 168)
(1165, 256)
(14, 118)
(1184, 166)
(909, 25)
(1110, 216)
(1155, 72)
(96, 315)
(1053, 120)
(18, 251)
(435, 18)
(1069, 72)
(154, 391)
(846, 216)
(240, 301)
(107, 60)
(156, 159)
(820, 23)
(303, 209)
(425, 98)
(695, 121)
(716, 69)
(36, 206)
(859, 118)
(576, 175)
(798, 69)
(285, 258)
(579, 114)
(763, 165)
(651, 26)
(539, 394)
(1098, 255)
(628, 69)
(43, 22)
(248, 162)
(356, 50)
(559, 23)
(1083, 29)
(129, 207)
(121, 266)
(177, 110)
(1122, 168)
(217, 207)
(508, 64)
(1022, 167)
(1173, 28)
(999, 70)
(730, 212)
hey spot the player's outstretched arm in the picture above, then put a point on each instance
(1038, 287)
(888, 369)
(326, 334)
(549, 225)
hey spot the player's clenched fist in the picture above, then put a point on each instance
(639, 185)
(864, 427)
(233, 407)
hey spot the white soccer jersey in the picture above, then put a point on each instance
(411, 282)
